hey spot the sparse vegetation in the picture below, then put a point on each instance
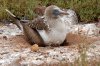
(88, 10)
(83, 44)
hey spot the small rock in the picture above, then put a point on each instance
(5, 37)
(16, 50)
(4, 53)
(39, 10)
(35, 47)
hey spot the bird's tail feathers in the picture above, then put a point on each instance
(16, 19)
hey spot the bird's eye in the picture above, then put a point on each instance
(56, 12)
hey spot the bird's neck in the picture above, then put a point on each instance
(51, 21)
(55, 24)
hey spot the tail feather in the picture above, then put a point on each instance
(16, 20)
(31, 34)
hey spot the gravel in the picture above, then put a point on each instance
(15, 51)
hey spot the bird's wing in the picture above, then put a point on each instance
(31, 34)
(38, 23)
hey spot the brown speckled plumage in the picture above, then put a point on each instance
(29, 29)
(38, 23)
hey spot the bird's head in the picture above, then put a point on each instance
(54, 12)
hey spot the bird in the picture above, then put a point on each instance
(56, 33)
(48, 30)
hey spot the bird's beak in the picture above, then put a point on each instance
(63, 13)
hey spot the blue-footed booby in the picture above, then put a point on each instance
(49, 30)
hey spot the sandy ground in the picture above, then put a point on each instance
(16, 51)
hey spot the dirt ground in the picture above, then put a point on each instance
(16, 51)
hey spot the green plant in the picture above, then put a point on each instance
(88, 10)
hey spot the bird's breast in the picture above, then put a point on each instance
(53, 36)
(56, 33)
